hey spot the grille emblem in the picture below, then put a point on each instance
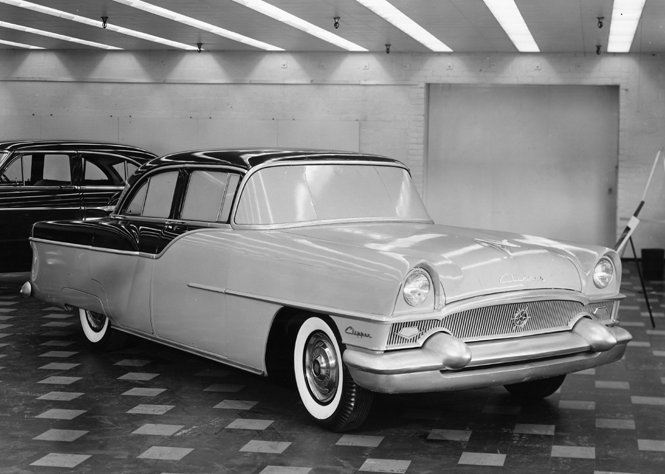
(520, 318)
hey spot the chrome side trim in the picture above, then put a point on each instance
(191, 350)
(94, 249)
(41, 208)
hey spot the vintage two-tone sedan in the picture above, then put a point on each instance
(327, 266)
(49, 179)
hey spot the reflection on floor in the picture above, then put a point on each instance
(146, 408)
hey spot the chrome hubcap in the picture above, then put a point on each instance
(321, 367)
(95, 320)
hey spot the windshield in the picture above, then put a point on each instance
(296, 194)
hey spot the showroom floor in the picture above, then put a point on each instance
(147, 408)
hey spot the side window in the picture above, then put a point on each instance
(135, 206)
(18, 171)
(102, 169)
(159, 198)
(57, 170)
(125, 169)
(209, 196)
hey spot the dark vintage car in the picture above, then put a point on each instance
(326, 267)
(44, 180)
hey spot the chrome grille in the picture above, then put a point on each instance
(493, 321)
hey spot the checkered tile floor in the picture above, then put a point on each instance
(147, 408)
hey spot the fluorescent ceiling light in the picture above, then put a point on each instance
(510, 19)
(19, 45)
(392, 15)
(625, 18)
(201, 25)
(296, 22)
(96, 23)
(35, 31)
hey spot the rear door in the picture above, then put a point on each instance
(36, 186)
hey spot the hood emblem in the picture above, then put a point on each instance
(503, 245)
(520, 318)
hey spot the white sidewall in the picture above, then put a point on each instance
(318, 411)
(92, 336)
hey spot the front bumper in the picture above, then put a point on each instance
(445, 363)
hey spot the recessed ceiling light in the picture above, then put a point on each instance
(19, 45)
(96, 23)
(625, 18)
(510, 19)
(392, 15)
(201, 25)
(50, 34)
(296, 22)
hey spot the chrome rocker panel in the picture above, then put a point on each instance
(445, 363)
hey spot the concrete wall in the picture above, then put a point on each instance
(157, 99)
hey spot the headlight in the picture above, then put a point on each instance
(603, 273)
(416, 287)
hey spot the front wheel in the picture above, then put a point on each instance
(97, 329)
(536, 389)
(325, 386)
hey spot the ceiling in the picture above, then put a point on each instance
(466, 26)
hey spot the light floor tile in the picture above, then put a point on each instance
(60, 414)
(585, 372)
(249, 424)
(138, 376)
(639, 344)
(59, 354)
(578, 452)
(224, 387)
(144, 392)
(158, 429)
(57, 316)
(659, 353)
(165, 453)
(146, 409)
(533, 429)
(631, 324)
(4, 334)
(651, 445)
(5, 326)
(285, 470)
(60, 396)
(60, 380)
(637, 400)
(615, 424)
(613, 385)
(133, 362)
(449, 435)
(482, 459)
(385, 465)
(267, 447)
(236, 404)
(61, 460)
(656, 332)
(58, 366)
(60, 435)
(360, 440)
(577, 405)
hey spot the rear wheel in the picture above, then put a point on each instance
(325, 386)
(97, 329)
(536, 389)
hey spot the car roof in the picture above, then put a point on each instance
(252, 157)
(36, 145)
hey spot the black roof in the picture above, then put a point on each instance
(36, 145)
(249, 158)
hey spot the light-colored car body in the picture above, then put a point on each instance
(298, 240)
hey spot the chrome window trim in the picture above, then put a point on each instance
(360, 162)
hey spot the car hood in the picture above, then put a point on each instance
(469, 262)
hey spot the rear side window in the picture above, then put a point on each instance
(154, 197)
(104, 169)
(209, 196)
(57, 170)
(19, 171)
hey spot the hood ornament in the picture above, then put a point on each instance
(503, 245)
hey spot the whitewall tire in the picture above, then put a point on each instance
(96, 328)
(325, 386)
